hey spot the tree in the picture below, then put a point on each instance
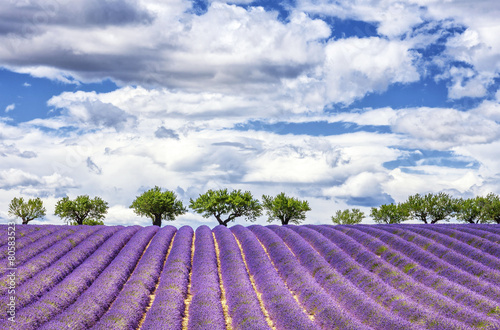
(390, 213)
(430, 208)
(470, 210)
(285, 209)
(82, 210)
(27, 211)
(491, 210)
(348, 217)
(231, 205)
(158, 205)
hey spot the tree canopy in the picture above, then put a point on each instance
(82, 211)
(226, 206)
(430, 208)
(158, 205)
(390, 213)
(285, 209)
(491, 209)
(348, 217)
(27, 211)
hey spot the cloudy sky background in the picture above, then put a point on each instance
(343, 103)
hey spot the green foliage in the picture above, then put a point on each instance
(430, 208)
(27, 211)
(348, 217)
(390, 213)
(81, 210)
(285, 209)
(219, 203)
(91, 222)
(491, 210)
(478, 209)
(470, 210)
(158, 205)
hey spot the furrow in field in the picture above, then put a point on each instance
(92, 303)
(45, 280)
(441, 285)
(126, 311)
(66, 292)
(189, 295)
(455, 238)
(458, 254)
(31, 250)
(430, 262)
(392, 287)
(205, 309)
(347, 289)
(47, 257)
(152, 295)
(225, 307)
(30, 238)
(244, 307)
(167, 309)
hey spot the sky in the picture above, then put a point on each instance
(345, 104)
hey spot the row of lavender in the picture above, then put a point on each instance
(283, 277)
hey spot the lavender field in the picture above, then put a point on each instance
(256, 277)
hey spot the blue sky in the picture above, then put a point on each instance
(343, 103)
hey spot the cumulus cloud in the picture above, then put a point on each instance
(87, 109)
(357, 66)
(227, 45)
(364, 188)
(10, 149)
(465, 82)
(393, 18)
(444, 128)
(15, 178)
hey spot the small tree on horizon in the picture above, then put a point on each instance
(27, 211)
(285, 209)
(471, 210)
(348, 217)
(491, 210)
(430, 208)
(82, 210)
(390, 213)
(158, 205)
(229, 205)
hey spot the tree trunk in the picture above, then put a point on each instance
(25, 221)
(157, 220)
(219, 220)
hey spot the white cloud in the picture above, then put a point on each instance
(357, 66)
(393, 18)
(441, 129)
(10, 107)
(364, 184)
(466, 83)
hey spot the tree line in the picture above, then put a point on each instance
(160, 205)
(225, 206)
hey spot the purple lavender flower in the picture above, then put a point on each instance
(68, 291)
(93, 303)
(127, 310)
(242, 301)
(167, 310)
(205, 309)
(420, 304)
